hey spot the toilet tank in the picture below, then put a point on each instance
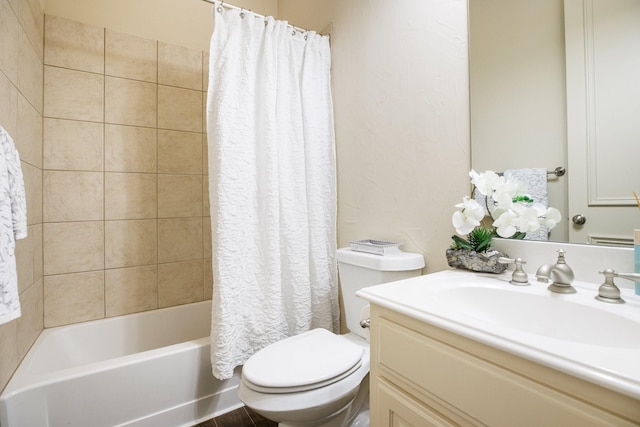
(358, 270)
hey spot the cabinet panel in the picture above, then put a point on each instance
(396, 409)
(478, 388)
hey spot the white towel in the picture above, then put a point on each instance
(535, 179)
(13, 225)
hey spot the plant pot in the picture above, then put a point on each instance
(484, 262)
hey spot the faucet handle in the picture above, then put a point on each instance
(519, 277)
(608, 291)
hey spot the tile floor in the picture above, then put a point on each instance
(241, 417)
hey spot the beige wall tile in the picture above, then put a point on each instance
(131, 57)
(33, 188)
(205, 153)
(179, 109)
(131, 290)
(179, 152)
(131, 243)
(206, 206)
(29, 135)
(30, 73)
(31, 16)
(130, 102)
(179, 196)
(205, 76)
(208, 279)
(70, 94)
(204, 112)
(8, 105)
(73, 298)
(32, 320)
(8, 351)
(180, 283)
(9, 34)
(130, 196)
(179, 66)
(73, 145)
(29, 257)
(71, 44)
(179, 239)
(130, 149)
(73, 247)
(72, 196)
(206, 237)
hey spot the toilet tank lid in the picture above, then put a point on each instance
(401, 261)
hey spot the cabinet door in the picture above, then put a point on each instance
(394, 408)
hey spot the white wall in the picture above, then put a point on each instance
(400, 82)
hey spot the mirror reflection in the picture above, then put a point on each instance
(538, 102)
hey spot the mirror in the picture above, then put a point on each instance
(523, 107)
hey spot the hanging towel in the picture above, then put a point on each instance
(13, 225)
(535, 179)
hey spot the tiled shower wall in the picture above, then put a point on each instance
(21, 53)
(125, 197)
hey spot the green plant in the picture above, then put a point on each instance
(479, 239)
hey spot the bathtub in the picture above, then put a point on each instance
(143, 369)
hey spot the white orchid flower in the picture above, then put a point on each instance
(469, 217)
(528, 217)
(486, 182)
(506, 224)
(551, 218)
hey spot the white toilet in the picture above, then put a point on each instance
(318, 378)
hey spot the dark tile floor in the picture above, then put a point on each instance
(241, 417)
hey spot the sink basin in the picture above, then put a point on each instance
(574, 333)
(544, 315)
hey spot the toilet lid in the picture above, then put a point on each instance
(302, 362)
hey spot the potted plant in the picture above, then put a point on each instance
(498, 207)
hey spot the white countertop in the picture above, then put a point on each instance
(573, 333)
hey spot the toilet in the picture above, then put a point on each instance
(318, 378)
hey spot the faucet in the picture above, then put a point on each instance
(608, 291)
(519, 277)
(560, 274)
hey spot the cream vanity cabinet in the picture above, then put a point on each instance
(422, 376)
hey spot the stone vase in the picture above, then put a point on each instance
(483, 262)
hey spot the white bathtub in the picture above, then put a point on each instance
(143, 369)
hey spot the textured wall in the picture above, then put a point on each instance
(21, 54)
(400, 83)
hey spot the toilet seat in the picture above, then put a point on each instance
(307, 361)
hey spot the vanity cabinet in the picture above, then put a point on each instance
(422, 376)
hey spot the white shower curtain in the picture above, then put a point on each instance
(272, 185)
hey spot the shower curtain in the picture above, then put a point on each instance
(272, 185)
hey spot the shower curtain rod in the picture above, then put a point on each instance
(257, 15)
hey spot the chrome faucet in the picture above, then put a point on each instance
(608, 291)
(560, 274)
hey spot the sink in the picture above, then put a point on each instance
(549, 315)
(573, 333)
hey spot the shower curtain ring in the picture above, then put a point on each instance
(241, 13)
(219, 9)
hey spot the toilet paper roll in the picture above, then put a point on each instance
(364, 315)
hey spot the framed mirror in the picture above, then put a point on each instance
(537, 102)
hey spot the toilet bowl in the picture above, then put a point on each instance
(318, 378)
(276, 385)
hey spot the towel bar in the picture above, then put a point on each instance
(559, 171)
